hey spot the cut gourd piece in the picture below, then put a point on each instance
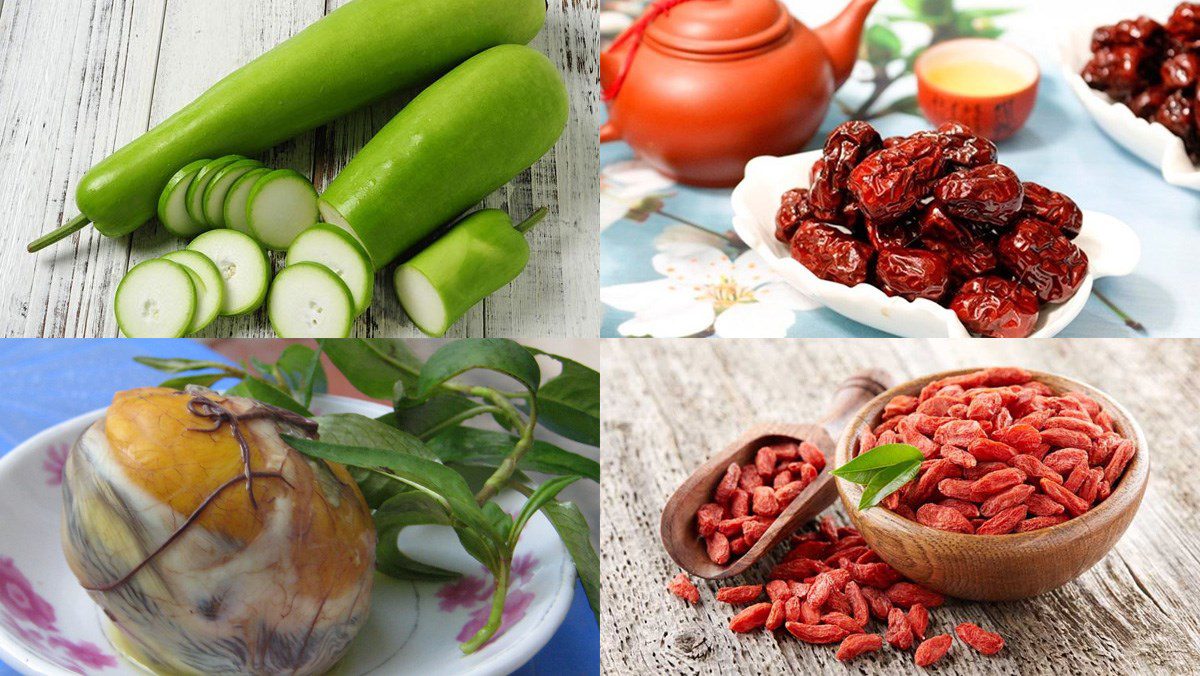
(156, 299)
(195, 192)
(245, 269)
(172, 205)
(337, 250)
(218, 190)
(282, 205)
(234, 211)
(309, 301)
(210, 291)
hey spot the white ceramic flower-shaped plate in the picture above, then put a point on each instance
(1150, 141)
(48, 625)
(1112, 247)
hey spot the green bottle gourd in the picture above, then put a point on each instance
(358, 54)
(476, 258)
(461, 139)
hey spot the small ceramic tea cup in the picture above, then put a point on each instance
(988, 85)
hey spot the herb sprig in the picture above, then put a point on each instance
(881, 471)
(420, 464)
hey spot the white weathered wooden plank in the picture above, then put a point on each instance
(669, 404)
(131, 63)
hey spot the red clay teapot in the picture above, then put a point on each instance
(700, 87)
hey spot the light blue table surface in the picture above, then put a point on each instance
(1060, 147)
(44, 382)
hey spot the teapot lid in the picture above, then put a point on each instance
(721, 26)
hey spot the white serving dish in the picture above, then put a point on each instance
(48, 625)
(1112, 247)
(1150, 141)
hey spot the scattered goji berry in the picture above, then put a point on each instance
(918, 620)
(682, 587)
(754, 617)
(986, 642)
(858, 644)
(740, 595)
(816, 633)
(932, 649)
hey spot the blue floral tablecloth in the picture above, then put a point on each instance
(44, 382)
(652, 225)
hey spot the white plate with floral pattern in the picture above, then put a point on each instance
(48, 625)
(1150, 141)
(1112, 247)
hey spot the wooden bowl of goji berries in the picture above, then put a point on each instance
(1030, 478)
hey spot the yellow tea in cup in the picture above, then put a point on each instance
(977, 78)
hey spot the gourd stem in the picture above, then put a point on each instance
(73, 226)
(531, 222)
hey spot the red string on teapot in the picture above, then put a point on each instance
(637, 32)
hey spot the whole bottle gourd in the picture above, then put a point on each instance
(358, 54)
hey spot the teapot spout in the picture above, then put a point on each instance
(842, 37)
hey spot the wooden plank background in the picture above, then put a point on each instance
(669, 404)
(80, 78)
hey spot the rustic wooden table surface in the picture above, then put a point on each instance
(668, 404)
(80, 78)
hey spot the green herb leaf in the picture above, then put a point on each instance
(410, 508)
(436, 480)
(862, 467)
(881, 471)
(544, 494)
(373, 366)
(419, 419)
(352, 429)
(494, 354)
(300, 367)
(572, 527)
(204, 380)
(267, 393)
(570, 403)
(887, 481)
(882, 43)
(470, 446)
(502, 522)
(183, 365)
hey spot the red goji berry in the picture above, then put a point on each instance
(932, 649)
(740, 595)
(986, 642)
(918, 619)
(816, 633)
(682, 587)
(754, 617)
(899, 634)
(858, 644)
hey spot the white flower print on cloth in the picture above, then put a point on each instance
(703, 292)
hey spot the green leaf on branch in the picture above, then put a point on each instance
(570, 403)
(300, 367)
(573, 528)
(541, 496)
(352, 429)
(184, 365)
(204, 380)
(419, 419)
(261, 390)
(410, 508)
(434, 479)
(882, 44)
(470, 446)
(493, 354)
(373, 366)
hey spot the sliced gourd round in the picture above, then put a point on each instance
(234, 211)
(282, 205)
(156, 299)
(172, 204)
(244, 266)
(337, 250)
(309, 301)
(195, 192)
(210, 289)
(218, 190)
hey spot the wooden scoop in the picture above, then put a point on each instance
(678, 527)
